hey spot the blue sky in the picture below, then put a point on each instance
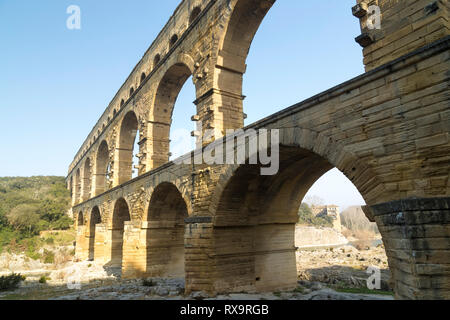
(55, 82)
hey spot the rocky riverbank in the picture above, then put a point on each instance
(325, 274)
(171, 289)
(345, 266)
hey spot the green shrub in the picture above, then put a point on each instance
(10, 282)
(31, 247)
(33, 254)
(305, 216)
(43, 279)
(49, 256)
(63, 223)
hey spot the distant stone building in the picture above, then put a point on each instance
(330, 211)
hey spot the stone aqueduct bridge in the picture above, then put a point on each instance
(228, 228)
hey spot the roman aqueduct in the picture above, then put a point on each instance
(227, 228)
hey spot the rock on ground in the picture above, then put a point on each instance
(345, 265)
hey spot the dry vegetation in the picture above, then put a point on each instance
(358, 228)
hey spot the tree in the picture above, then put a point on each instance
(52, 210)
(306, 216)
(24, 217)
(304, 210)
(314, 201)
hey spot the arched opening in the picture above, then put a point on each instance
(136, 154)
(336, 243)
(122, 102)
(93, 221)
(249, 45)
(165, 236)
(244, 22)
(114, 112)
(181, 141)
(128, 135)
(71, 188)
(131, 91)
(80, 219)
(143, 76)
(173, 40)
(156, 60)
(194, 14)
(77, 186)
(121, 214)
(255, 223)
(102, 169)
(165, 99)
(87, 177)
(109, 176)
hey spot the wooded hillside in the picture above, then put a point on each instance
(30, 205)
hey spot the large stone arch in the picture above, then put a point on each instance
(160, 117)
(329, 151)
(80, 249)
(129, 128)
(172, 179)
(87, 180)
(165, 226)
(77, 195)
(101, 166)
(238, 26)
(254, 216)
(120, 215)
(241, 24)
(80, 219)
(94, 219)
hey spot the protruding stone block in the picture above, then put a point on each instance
(365, 39)
(360, 10)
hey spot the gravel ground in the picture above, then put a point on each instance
(320, 274)
(346, 266)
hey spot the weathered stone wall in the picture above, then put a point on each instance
(416, 234)
(405, 26)
(100, 253)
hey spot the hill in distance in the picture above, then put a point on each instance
(31, 205)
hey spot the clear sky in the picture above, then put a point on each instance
(56, 82)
